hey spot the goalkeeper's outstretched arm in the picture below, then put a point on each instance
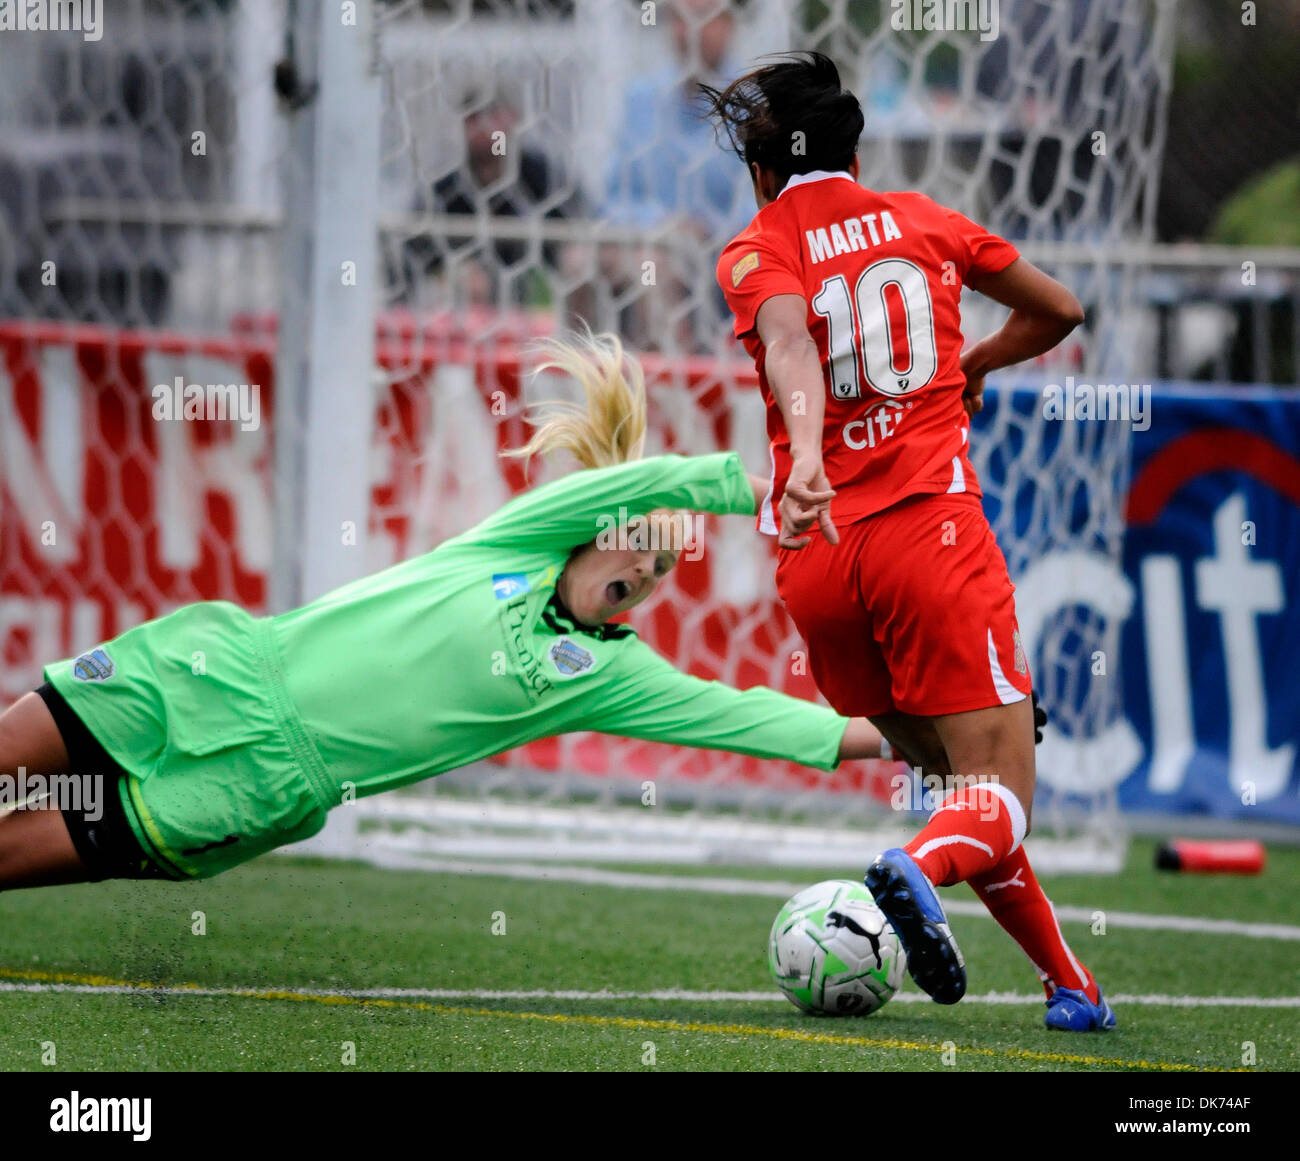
(645, 697)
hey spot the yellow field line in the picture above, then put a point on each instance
(629, 1023)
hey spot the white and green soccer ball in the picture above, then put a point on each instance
(833, 953)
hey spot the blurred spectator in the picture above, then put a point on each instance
(668, 174)
(666, 162)
(504, 179)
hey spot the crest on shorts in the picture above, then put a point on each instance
(93, 666)
(570, 659)
(1022, 666)
(744, 266)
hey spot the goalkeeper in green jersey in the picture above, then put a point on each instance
(216, 736)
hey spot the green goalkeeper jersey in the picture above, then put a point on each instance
(467, 650)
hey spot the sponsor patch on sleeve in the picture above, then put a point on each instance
(506, 585)
(743, 266)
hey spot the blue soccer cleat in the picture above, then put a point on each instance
(1071, 1011)
(905, 895)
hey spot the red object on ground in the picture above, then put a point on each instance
(1227, 856)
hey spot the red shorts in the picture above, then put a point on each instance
(912, 611)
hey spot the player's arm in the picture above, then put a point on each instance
(1043, 312)
(577, 508)
(794, 374)
(644, 697)
(862, 740)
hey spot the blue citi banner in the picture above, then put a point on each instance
(1209, 603)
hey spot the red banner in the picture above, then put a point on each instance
(115, 507)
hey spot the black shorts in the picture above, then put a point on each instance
(107, 844)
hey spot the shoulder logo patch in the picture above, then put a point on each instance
(93, 666)
(743, 266)
(509, 584)
(569, 658)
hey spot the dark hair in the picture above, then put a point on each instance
(799, 93)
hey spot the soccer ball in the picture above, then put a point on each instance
(832, 952)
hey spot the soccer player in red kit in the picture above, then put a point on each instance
(848, 301)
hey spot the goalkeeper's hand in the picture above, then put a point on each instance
(1040, 718)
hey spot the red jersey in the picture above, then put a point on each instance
(882, 275)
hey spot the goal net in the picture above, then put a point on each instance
(540, 163)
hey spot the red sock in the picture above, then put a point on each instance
(973, 831)
(1011, 893)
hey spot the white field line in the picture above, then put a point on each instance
(663, 994)
(774, 889)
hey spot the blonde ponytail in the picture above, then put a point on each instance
(609, 427)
